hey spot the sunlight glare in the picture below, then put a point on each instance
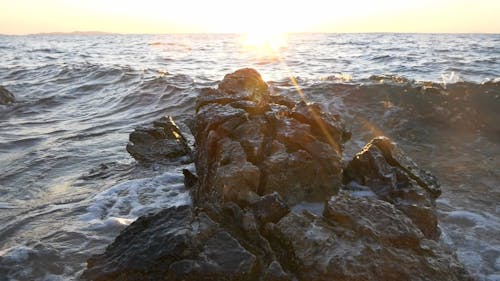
(264, 43)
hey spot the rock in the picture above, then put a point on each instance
(222, 258)
(211, 96)
(395, 178)
(282, 100)
(326, 126)
(374, 219)
(190, 180)
(245, 84)
(163, 141)
(257, 156)
(173, 244)
(247, 145)
(252, 135)
(236, 181)
(299, 166)
(269, 208)
(360, 239)
(6, 97)
(133, 253)
(298, 177)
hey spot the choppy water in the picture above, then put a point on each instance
(67, 185)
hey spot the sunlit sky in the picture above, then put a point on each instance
(233, 16)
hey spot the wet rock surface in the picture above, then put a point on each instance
(247, 145)
(360, 239)
(162, 141)
(257, 157)
(173, 244)
(6, 97)
(395, 178)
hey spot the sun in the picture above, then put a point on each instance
(264, 43)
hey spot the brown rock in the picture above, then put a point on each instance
(247, 145)
(360, 239)
(395, 178)
(269, 208)
(245, 84)
(163, 141)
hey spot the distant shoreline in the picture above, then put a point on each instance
(75, 33)
(56, 33)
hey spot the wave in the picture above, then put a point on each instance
(405, 105)
(124, 202)
(95, 91)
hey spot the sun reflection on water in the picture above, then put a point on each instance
(265, 44)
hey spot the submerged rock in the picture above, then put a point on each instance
(257, 156)
(6, 97)
(163, 141)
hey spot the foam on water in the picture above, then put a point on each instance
(23, 263)
(60, 253)
(461, 230)
(313, 207)
(474, 220)
(123, 203)
(450, 78)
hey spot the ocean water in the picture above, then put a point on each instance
(68, 186)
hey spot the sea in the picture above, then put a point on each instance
(68, 186)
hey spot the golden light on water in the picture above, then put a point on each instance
(264, 43)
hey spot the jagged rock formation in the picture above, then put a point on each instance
(382, 167)
(249, 146)
(6, 97)
(256, 157)
(161, 142)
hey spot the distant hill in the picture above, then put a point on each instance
(75, 33)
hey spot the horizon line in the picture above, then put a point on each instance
(93, 32)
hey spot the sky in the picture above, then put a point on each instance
(251, 16)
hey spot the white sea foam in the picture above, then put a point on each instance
(17, 263)
(338, 77)
(450, 78)
(461, 229)
(471, 219)
(359, 190)
(313, 207)
(123, 203)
